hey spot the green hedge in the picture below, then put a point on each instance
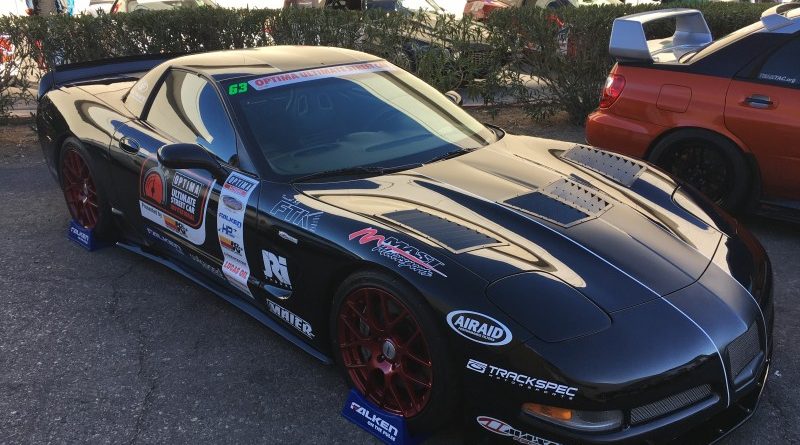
(456, 52)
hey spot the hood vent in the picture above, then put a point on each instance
(562, 202)
(453, 236)
(617, 168)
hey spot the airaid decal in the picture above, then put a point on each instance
(479, 328)
(292, 211)
(503, 429)
(275, 270)
(291, 319)
(402, 253)
(539, 385)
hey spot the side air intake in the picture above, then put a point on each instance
(454, 236)
(610, 165)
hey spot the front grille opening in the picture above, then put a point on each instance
(743, 350)
(670, 404)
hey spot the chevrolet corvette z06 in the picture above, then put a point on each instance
(552, 292)
(720, 115)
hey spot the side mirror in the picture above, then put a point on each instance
(178, 156)
(455, 97)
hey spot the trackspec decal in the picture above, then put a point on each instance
(277, 80)
(291, 319)
(479, 328)
(175, 200)
(233, 198)
(208, 267)
(376, 422)
(275, 269)
(404, 254)
(522, 380)
(503, 429)
(291, 211)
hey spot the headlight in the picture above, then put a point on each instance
(578, 420)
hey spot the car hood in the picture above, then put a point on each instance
(607, 225)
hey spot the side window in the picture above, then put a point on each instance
(188, 109)
(783, 66)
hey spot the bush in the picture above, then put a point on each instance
(443, 51)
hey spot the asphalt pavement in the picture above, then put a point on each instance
(107, 347)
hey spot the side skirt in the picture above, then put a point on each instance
(238, 302)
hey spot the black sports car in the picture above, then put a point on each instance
(553, 293)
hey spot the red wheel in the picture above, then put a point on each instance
(85, 200)
(391, 350)
(384, 351)
(79, 189)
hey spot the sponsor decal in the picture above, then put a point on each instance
(236, 191)
(81, 235)
(207, 267)
(291, 319)
(777, 78)
(175, 200)
(291, 211)
(404, 254)
(232, 203)
(277, 80)
(522, 380)
(275, 269)
(479, 328)
(140, 92)
(503, 429)
(164, 240)
(375, 421)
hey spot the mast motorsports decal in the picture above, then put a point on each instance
(232, 207)
(175, 200)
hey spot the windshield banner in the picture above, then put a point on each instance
(281, 79)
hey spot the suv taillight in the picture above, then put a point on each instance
(612, 89)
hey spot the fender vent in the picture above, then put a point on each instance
(743, 349)
(562, 202)
(670, 404)
(617, 168)
(454, 236)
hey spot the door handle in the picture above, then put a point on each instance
(758, 101)
(287, 237)
(129, 145)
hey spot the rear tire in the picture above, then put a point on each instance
(86, 202)
(709, 162)
(388, 347)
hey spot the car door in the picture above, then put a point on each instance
(762, 110)
(189, 215)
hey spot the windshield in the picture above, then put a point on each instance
(350, 116)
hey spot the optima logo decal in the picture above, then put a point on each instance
(503, 429)
(479, 328)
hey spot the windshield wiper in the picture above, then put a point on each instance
(357, 170)
(451, 154)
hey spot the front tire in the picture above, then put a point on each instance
(86, 202)
(389, 348)
(707, 161)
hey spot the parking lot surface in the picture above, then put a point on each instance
(107, 347)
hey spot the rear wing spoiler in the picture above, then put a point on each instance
(774, 18)
(629, 43)
(98, 71)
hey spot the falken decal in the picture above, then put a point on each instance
(291, 319)
(290, 210)
(277, 80)
(503, 429)
(522, 380)
(175, 200)
(275, 270)
(235, 193)
(479, 328)
(404, 254)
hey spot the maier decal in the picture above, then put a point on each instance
(231, 211)
(175, 200)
